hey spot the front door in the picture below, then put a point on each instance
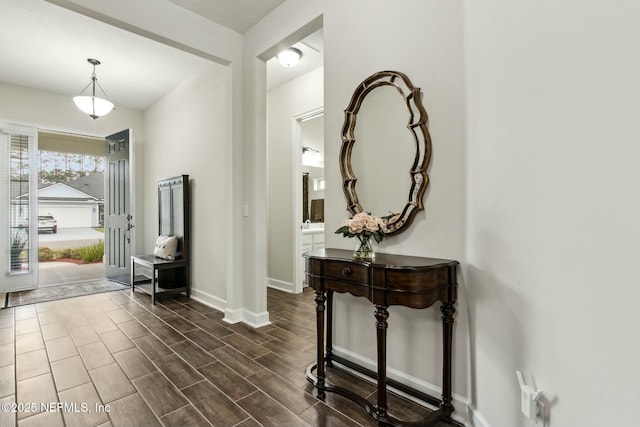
(118, 216)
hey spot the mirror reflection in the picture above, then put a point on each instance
(383, 175)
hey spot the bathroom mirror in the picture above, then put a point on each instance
(385, 172)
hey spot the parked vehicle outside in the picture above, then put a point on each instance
(47, 223)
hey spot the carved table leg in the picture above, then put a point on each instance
(320, 299)
(447, 310)
(381, 330)
(329, 347)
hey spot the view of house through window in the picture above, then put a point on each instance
(70, 209)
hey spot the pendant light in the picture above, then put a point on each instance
(91, 104)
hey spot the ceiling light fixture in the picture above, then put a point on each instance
(91, 104)
(289, 57)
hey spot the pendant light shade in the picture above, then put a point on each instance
(91, 104)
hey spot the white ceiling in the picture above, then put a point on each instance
(239, 15)
(45, 47)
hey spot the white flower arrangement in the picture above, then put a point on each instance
(364, 226)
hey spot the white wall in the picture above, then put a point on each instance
(284, 103)
(388, 38)
(553, 210)
(189, 132)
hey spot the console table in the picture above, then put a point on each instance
(413, 282)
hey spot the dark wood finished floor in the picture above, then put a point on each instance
(174, 364)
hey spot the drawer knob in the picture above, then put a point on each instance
(346, 271)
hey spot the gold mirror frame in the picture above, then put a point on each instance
(417, 126)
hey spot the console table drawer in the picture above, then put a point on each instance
(344, 270)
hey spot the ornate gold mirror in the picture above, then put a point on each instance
(390, 161)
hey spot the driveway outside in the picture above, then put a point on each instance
(70, 238)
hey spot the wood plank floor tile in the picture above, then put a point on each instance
(116, 341)
(31, 364)
(84, 394)
(7, 321)
(120, 297)
(279, 365)
(185, 417)
(323, 415)
(190, 315)
(289, 395)
(160, 311)
(179, 372)
(292, 354)
(61, 348)
(48, 317)
(25, 312)
(95, 355)
(133, 329)
(69, 373)
(111, 383)
(119, 316)
(250, 333)
(204, 339)
(132, 411)
(180, 324)
(7, 335)
(54, 331)
(84, 335)
(249, 422)
(237, 361)
(29, 342)
(102, 323)
(134, 363)
(7, 355)
(270, 413)
(7, 381)
(27, 326)
(214, 328)
(215, 406)
(245, 346)
(43, 419)
(159, 393)
(193, 354)
(167, 334)
(227, 380)
(152, 347)
(35, 390)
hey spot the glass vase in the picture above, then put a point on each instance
(364, 248)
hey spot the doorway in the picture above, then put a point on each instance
(295, 95)
(70, 209)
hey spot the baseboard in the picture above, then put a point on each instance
(233, 316)
(208, 299)
(255, 320)
(477, 420)
(280, 285)
(460, 403)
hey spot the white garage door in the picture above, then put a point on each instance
(69, 216)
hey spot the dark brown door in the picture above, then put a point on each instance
(118, 219)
